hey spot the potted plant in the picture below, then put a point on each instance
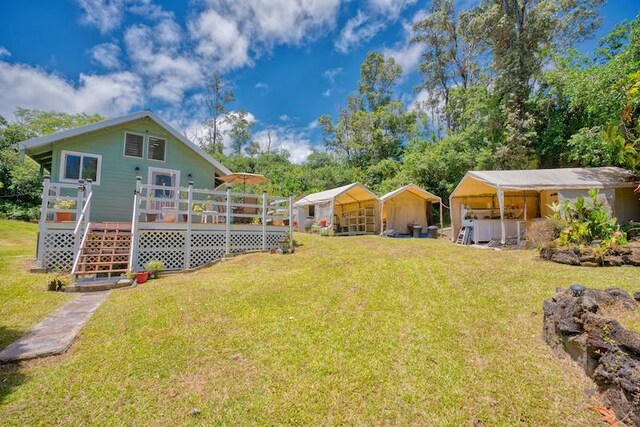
(154, 268)
(197, 213)
(64, 204)
(151, 217)
(141, 277)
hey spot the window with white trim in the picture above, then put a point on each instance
(133, 145)
(75, 166)
(156, 148)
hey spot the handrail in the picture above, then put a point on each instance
(81, 217)
(76, 259)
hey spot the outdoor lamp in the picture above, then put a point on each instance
(137, 169)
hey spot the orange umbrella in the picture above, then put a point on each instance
(243, 178)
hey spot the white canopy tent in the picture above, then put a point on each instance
(536, 189)
(409, 204)
(338, 208)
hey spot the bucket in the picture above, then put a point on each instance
(142, 277)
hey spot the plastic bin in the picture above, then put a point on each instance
(417, 230)
(432, 232)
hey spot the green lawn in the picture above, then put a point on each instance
(346, 331)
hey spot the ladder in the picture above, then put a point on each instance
(464, 235)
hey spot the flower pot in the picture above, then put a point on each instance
(151, 217)
(63, 216)
(142, 277)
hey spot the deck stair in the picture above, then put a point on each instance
(104, 253)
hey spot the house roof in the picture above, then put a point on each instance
(413, 189)
(34, 144)
(485, 182)
(355, 192)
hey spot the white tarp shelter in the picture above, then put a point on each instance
(531, 191)
(407, 205)
(350, 209)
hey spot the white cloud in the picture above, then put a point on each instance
(28, 87)
(331, 75)
(107, 55)
(4, 52)
(156, 55)
(105, 15)
(262, 87)
(285, 118)
(390, 8)
(356, 31)
(230, 32)
(295, 141)
(220, 40)
(195, 130)
(405, 53)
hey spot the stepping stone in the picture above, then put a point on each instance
(55, 334)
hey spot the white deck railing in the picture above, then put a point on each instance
(181, 218)
(56, 195)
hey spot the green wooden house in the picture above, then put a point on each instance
(122, 192)
(113, 152)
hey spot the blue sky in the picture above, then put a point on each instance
(288, 61)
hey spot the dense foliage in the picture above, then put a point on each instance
(587, 221)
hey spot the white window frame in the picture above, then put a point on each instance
(124, 145)
(63, 164)
(165, 148)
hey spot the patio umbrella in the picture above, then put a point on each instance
(243, 178)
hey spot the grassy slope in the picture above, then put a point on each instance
(24, 299)
(348, 330)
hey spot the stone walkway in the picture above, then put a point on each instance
(56, 333)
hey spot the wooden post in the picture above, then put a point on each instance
(133, 252)
(187, 246)
(291, 224)
(227, 229)
(264, 220)
(89, 188)
(79, 206)
(42, 224)
(441, 218)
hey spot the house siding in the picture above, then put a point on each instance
(113, 198)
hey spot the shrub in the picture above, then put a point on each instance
(154, 267)
(58, 283)
(584, 221)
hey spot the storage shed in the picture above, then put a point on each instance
(348, 210)
(407, 207)
(494, 205)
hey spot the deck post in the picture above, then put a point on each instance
(42, 224)
(187, 246)
(89, 190)
(79, 206)
(264, 220)
(133, 252)
(227, 227)
(291, 224)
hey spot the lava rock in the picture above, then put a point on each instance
(575, 327)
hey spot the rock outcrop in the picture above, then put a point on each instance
(576, 326)
(588, 257)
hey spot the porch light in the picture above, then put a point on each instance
(137, 169)
(578, 290)
(190, 176)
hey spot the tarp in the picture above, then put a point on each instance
(354, 192)
(511, 183)
(486, 182)
(407, 205)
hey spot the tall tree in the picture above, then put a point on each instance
(378, 77)
(520, 35)
(452, 55)
(217, 96)
(240, 132)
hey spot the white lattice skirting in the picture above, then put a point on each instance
(59, 250)
(171, 247)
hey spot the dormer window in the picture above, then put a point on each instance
(133, 145)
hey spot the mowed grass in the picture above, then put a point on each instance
(346, 331)
(24, 299)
